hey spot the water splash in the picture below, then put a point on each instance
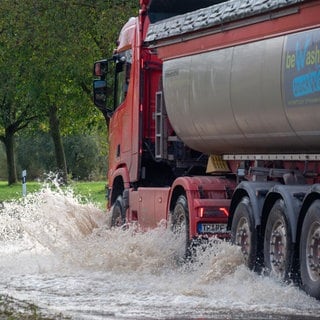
(60, 253)
(43, 224)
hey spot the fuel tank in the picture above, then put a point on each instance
(256, 97)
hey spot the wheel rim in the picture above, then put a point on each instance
(179, 217)
(243, 237)
(278, 247)
(313, 252)
(117, 219)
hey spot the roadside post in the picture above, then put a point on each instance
(24, 183)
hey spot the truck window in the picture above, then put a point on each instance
(123, 68)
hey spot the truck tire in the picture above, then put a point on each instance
(310, 251)
(118, 216)
(244, 233)
(180, 222)
(278, 246)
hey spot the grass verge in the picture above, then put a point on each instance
(14, 192)
(12, 309)
(93, 191)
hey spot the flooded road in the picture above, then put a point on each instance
(60, 255)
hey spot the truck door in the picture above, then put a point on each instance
(124, 132)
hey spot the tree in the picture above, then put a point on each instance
(17, 108)
(13, 121)
(47, 49)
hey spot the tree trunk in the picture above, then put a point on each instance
(57, 141)
(8, 141)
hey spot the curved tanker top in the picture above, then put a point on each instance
(219, 13)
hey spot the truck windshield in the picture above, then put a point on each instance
(122, 77)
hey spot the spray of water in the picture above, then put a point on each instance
(56, 250)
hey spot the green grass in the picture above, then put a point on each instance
(92, 191)
(13, 192)
(13, 309)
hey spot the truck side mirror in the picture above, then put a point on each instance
(100, 94)
(100, 71)
(100, 68)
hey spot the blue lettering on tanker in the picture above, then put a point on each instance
(301, 69)
(301, 54)
(306, 84)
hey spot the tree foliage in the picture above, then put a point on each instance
(47, 49)
(35, 153)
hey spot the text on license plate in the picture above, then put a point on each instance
(212, 228)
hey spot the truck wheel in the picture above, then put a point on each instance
(244, 233)
(278, 247)
(118, 217)
(310, 251)
(180, 221)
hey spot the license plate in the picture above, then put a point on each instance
(212, 228)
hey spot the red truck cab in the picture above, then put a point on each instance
(152, 175)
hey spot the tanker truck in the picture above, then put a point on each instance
(214, 127)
